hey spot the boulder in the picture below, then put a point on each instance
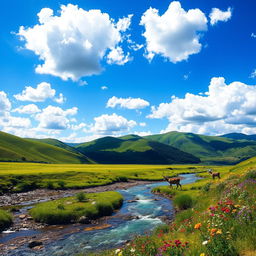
(84, 220)
(34, 244)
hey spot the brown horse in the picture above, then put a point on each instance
(173, 181)
(214, 174)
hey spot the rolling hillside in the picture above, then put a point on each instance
(13, 148)
(210, 149)
(132, 149)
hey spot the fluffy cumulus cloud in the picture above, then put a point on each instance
(129, 103)
(111, 125)
(175, 34)
(73, 43)
(28, 109)
(55, 118)
(42, 92)
(5, 104)
(224, 108)
(217, 15)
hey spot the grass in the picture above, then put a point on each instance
(5, 220)
(28, 176)
(70, 209)
(222, 221)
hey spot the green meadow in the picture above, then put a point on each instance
(28, 176)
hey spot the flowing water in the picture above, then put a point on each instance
(145, 211)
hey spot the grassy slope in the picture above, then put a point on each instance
(13, 148)
(210, 149)
(133, 149)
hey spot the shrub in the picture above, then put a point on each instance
(251, 174)
(61, 184)
(183, 202)
(61, 207)
(206, 187)
(26, 186)
(122, 178)
(49, 185)
(5, 220)
(81, 197)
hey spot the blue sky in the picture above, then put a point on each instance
(142, 67)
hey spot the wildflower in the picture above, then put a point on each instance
(205, 242)
(132, 250)
(219, 232)
(198, 226)
(118, 252)
(202, 254)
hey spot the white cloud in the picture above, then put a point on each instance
(143, 124)
(217, 15)
(129, 103)
(103, 87)
(28, 109)
(73, 44)
(230, 107)
(5, 104)
(42, 92)
(253, 35)
(142, 134)
(61, 99)
(55, 117)
(111, 125)
(116, 56)
(175, 34)
(253, 74)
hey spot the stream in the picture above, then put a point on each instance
(141, 212)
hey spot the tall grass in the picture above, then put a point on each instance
(70, 209)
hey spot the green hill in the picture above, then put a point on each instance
(56, 143)
(132, 149)
(210, 149)
(13, 148)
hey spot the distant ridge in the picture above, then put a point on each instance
(210, 149)
(239, 136)
(133, 149)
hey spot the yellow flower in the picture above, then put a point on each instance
(237, 206)
(198, 226)
(219, 231)
(234, 210)
(202, 254)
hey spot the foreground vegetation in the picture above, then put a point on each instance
(214, 218)
(71, 209)
(20, 177)
(5, 220)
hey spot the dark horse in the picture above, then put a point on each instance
(173, 181)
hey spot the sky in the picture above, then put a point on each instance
(78, 70)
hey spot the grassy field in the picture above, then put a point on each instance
(28, 176)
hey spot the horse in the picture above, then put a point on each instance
(173, 181)
(214, 174)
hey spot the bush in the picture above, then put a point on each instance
(5, 220)
(183, 202)
(81, 197)
(61, 184)
(206, 187)
(123, 179)
(26, 186)
(251, 174)
(49, 185)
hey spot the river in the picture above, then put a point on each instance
(144, 210)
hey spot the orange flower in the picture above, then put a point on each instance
(198, 226)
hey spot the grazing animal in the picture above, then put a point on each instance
(214, 174)
(173, 181)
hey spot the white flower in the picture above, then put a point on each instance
(117, 251)
(132, 250)
(205, 242)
